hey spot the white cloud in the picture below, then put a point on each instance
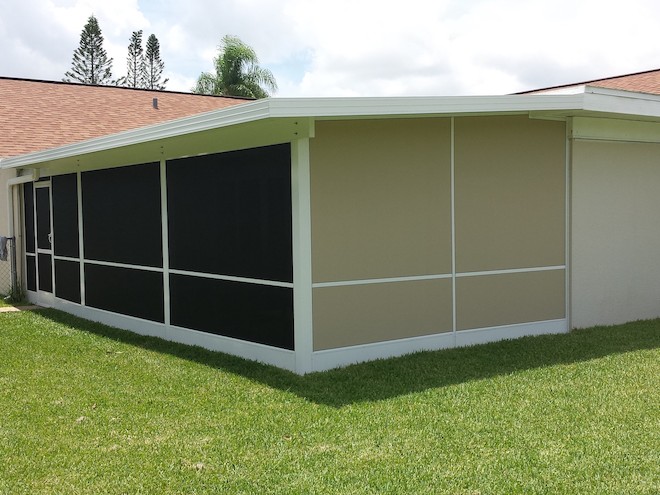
(353, 47)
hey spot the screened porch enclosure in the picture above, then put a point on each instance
(201, 243)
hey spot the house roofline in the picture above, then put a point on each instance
(125, 88)
(585, 83)
(593, 102)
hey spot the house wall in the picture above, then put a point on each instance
(5, 272)
(431, 226)
(5, 266)
(615, 274)
(5, 175)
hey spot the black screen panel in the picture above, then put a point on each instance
(65, 215)
(126, 291)
(28, 206)
(31, 272)
(45, 275)
(67, 280)
(122, 215)
(256, 313)
(42, 196)
(237, 220)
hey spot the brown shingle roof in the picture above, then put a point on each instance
(36, 115)
(641, 82)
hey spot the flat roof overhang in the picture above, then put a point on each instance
(277, 120)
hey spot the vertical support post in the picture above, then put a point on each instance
(81, 237)
(14, 277)
(568, 219)
(165, 242)
(453, 229)
(302, 255)
(11, 238)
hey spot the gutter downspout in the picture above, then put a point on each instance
(10, 218)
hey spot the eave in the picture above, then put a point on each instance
(284, 119)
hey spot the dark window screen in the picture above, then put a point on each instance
(28, 205)
(42, 195)
(126, 291)
(67, 280)
(45, 272)
(65, 215)
(230, 213)
(31, 272)
(122, 215)
(256, 313)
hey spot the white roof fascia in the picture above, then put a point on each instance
(621, 102)
(418, 105)
(567, 90)
(593, 99)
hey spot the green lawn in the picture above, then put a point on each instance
(89, 409)
(6, 301)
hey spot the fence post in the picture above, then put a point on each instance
(13, 274)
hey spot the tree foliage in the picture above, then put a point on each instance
(135, 63)
(154, 66)
(237, 73)
(90, 64)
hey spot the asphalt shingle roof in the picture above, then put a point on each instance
(37, 115)
(641, 82)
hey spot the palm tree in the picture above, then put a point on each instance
(237, 73)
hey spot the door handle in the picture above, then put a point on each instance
(50, 238)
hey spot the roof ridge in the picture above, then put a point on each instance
(125, 88)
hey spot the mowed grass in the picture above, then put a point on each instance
(89, 409)
(6, 302)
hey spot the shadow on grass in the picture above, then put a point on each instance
(383, 379)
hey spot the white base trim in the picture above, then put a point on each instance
(281, 358)
(41, 298)
(321, 360)
(334, 358)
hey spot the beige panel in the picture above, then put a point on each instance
(362, 314)
(615, 240)
(493, 300)
(510, 193)
(381, 204)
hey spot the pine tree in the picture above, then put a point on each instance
(154, 65)
(135, 63)
(90, 64)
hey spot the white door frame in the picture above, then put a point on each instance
(44, 298)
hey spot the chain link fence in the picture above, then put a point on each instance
(10, 289)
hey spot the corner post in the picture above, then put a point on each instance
(302, 255)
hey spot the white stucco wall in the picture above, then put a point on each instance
(615, 232)
(5, 271)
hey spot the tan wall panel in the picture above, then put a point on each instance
(510, 193)
(381, 204)
(493, 300)
(615, 240)
(362, 314)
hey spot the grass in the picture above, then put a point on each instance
(85, 408)
(6, 302)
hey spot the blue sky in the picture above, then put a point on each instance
(353, 47)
